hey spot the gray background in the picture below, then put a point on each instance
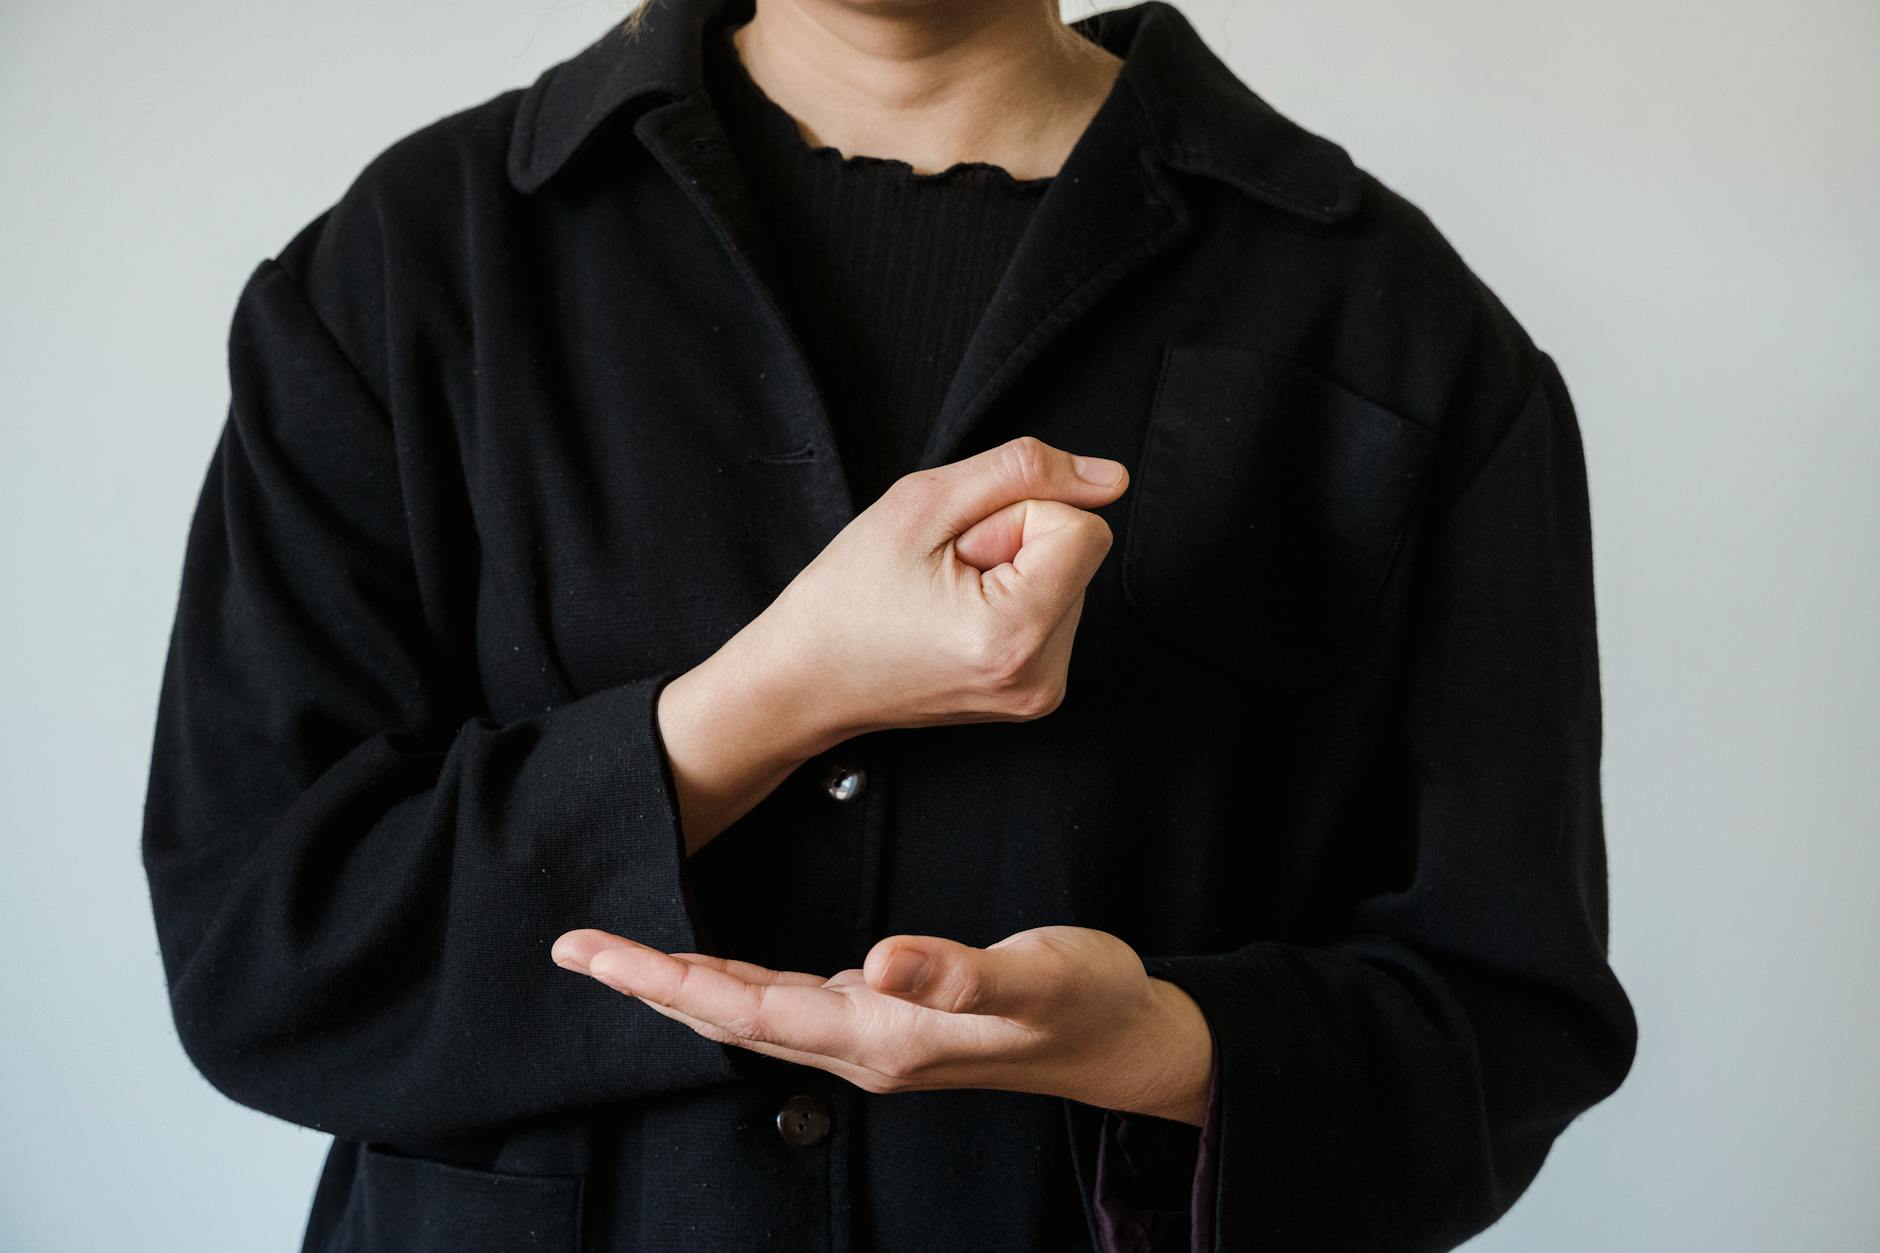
(1679, 200)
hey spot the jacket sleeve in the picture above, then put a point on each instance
(1397, 1082)
(356, 875)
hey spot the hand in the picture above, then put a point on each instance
(1061, 1011)
(952, 598)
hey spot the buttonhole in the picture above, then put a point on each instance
(806, 453)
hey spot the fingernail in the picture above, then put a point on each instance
(906, 970)
(1099, 470)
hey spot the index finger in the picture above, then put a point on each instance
(795, 1015)
(955, 496)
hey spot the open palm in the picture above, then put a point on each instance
(1057, 1010)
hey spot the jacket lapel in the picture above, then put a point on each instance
(1111, 211)
(686, 137)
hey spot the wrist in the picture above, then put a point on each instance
(775, 672)
(1180, 1045)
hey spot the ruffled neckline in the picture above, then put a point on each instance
(784, 123)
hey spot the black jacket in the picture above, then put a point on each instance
(516, 436)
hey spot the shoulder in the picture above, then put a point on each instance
(1417, 276)
(1382, 300)
(408, 223)
(1459, 360)
(1376, 293)
(420, 186)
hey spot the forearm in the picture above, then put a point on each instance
(736, 725)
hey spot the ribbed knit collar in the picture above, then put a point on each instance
(745, 104)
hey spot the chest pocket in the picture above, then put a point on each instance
(1269, 504)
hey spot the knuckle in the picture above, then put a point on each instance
(676, 995)
(1043, 699)
(1064, 958)
(753, 1025)
(1029, 702)
(745, 1028)
(912, 494)
(1020, 694)
(1027, 460)
(999, 655)
(918, 482)
(1023, 703)
(968, 992)
(1004, 662)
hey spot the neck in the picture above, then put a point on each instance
(930, 82)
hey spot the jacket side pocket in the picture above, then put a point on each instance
(401, 1204)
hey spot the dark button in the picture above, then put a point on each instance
(844, 781)
(803, 1121)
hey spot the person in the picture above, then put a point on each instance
(1020, 626)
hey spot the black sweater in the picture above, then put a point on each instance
(882, 272)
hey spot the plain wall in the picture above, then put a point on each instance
(1679, 200)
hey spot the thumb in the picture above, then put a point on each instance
(1023, 468)
(958, 978)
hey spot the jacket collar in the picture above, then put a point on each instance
(1203, 119)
